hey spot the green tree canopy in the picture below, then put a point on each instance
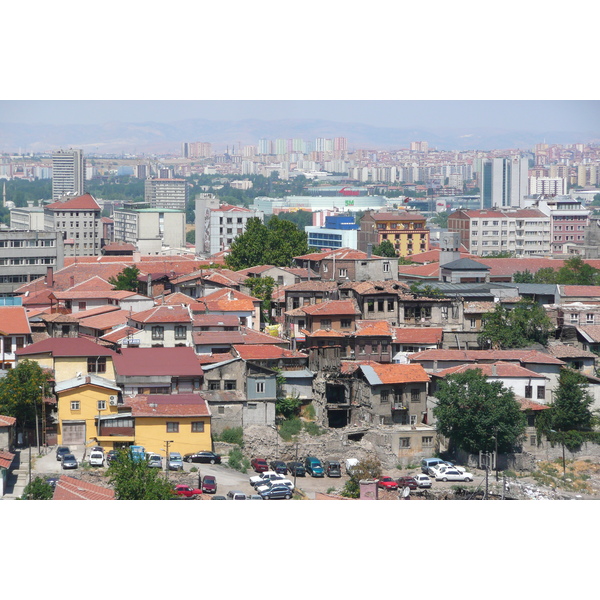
(273, 244)
(473, 412)
(134, 480)
(262, 288)
(527, 323)
(38, 489)
(21, 392)
(386, 248)
(573, 272)
(127, 279)
(368, 468)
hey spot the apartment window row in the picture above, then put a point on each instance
(27, 243)
(196, 426)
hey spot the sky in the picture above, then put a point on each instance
(517, 115)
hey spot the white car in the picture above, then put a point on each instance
(441, 467)
(269, 484)
(96, 458)
(454, 475)
(422, 480)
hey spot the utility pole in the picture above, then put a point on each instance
(167, 442)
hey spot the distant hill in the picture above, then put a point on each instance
(162, 138)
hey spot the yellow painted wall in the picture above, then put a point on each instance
(88, 397)
(68, 367)
(151, 432)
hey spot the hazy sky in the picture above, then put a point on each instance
(524, 115)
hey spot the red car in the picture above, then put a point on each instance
(259, 465)
(186, 490)
(387, 483)
(409, 482)
(209, 484)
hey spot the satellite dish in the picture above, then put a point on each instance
(406, 492)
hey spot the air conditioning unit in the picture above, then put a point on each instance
(112, 400)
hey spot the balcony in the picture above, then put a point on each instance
(396, 406)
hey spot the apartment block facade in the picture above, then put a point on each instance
(68, 173)
(166, 193)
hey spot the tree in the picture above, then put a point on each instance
(262, 288)
(190, 236)
(476, 414)
(288, 407)
(368, 468)
(385, 249)
(127, 279)
(425, 290)
(573, 272)
(527, 323)
(441, 219)
(133, 479)
(21, 392)
(38, 489)
(273, 244)
(523, 276)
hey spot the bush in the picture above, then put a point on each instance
(309, 412)
(289, 428)
(351, 489)
(232, 435)
(288, 407)
(313, 429)
(38, 489)
(237, 460)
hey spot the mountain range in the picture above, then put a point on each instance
(166, 138)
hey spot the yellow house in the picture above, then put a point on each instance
(88, 413)
(183, 420)
(405, 230)
(69, 358)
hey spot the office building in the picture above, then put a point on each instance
(503, 182)
(68, 173)
(166, 193)
(338, 232)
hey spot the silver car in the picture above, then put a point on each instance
(69, 462)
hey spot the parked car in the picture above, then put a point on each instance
(350, 464)
(236, 495)
(255, 497)
(209, 484)
(111, 455)
(422, 480)
(51, 481)
(218, 498)
(387, 483)
(154, 460)
(69, 462)
(263, 478)
(437, 469)
(61, 451)
(454, 475)
(260, 465)
(333, 468)
(186, 490)
(314, 467)
(270, 483)
(175, 461)
(203, 457)
(278, 466)
(409, 482)
(430, 462)
(276, 492)
(296, 468)
(96, 458)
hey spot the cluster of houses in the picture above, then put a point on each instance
(189, 355)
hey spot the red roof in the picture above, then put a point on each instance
(418, 335)
(331, 307)
(394, 373)
(145, 362)
(6, 459)
(63, 347)
(168, 405)
(164, 313)
(70, 488)
(265, 352)
(502, 369)
(523, 356)
(85, 202)
(106, 321)
(13, 321)
(590, 291)
(373, 328)
(226, 300)
(117, 335)
(6, 421)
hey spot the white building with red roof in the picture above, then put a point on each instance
(165, 325)
(15, 333)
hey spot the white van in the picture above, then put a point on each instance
(430, 462)
(96, 458)
(154, 460)
(350, 464)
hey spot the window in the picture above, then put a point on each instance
(361, 349)
(260, 388)
(444, 312)
(384, 396)
(589, 318)
(533, 440)
(214, 385)
(473, 323)
(386, 267)
(180, 332)
(390, 305)
(541, 392)
(326, 323)
(413, 419)
(343, 272)
(75, 405)
(20, 342)
(158, 332)
(384, 347)
(221, 410)
(380, 305)
(427, 441)
(346, 323)
(197, 426)
(528, 391)
(96, 364)
(252, 405)
(82, 305)
(404, 442)
(230, 384)
(172, 427)
(370, 306)
(415, 395)
(101, 404)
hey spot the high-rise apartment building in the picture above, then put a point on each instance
(503, 182)
(547, 186)
(196, 150)
(166, 193)
(68, 173)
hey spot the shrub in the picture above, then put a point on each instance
(194, 470)
(237, 460)
(289, 428)
(232, 435)
(288, 407)
(313, 429)
(38, 489)
(309, 412)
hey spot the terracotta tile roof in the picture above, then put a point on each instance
(502, 369)
(418, 335)
(405, 216)
(478, 307)
(254, 270)
(207, 359)
(92, 312)
(433, 256)
(93, 284)
(313, 285)
(565, 351)
(325, 333)
(340, 253)
(168, 405)
(372, 328)
(119, 334)
(394, 373)
(64, 347)
(106, 321)
(528, 404)
(6, 421)
(523, 356)
(208, 320)
(430, 270)
(163, 314)
(589, 291)
(217, 337)
(98, 294)
(6, 459)
(177, 362)
(253, 337)
(85, 202)
(71, 488)
(119, 247)
(13, 321)
(228, 300)
(230, 208)
(396, 288)
(332, 307)
(60, 318)
(265, 352)
(591, 331)
(177, 298)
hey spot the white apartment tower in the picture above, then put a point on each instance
(68, 173)
(166, 193)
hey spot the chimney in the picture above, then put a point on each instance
(50, 276)
(494, 370)
(149, 290)
(369, 250)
